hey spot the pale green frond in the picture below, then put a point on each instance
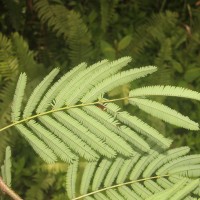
(89, 198)
(128, 193)
(87, 177)
(165, 113)
(71, 179)
(6, 167)
(110, 138)
(176, 178)
(187, 189)
(165, 183)
(197, 190)
(142, 163)
(38, 93)
(117, 80)
(165, 91)
(18, 97)
(153, 186)
(134, 138)
(166, 194)
(165, 158)
(100, 173)
(84, 83)
(126, 168)
(138, 125)
(141, 190)
(181, 161)
(108, 10)
(113, 125)
(60, 149)
(72, 86)
(52, 15)
(101, 73)
(96, 143)
(192, 171)
(40, 147)
(100, 196)
(113, 194)
(113, 171)
(58, 86)
(74, 142)
(25, 57)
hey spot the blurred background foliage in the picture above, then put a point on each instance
(37, 35)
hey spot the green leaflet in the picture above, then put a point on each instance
(166, 91)
(123, 131)
(99, 73)
(87, 177)
(185, 190)
(40, 147)
(153, 186)
(18, 97)
(100, 173)
(138, 125)
(53, 142)
(141, 190)
(192, 171)
(117, 80)
(114, 170)
(72, 86)
(163, 182)
(71, 179)
(38, 92)
(75, 143)
(6, 167)
(128, 193)
(58, 86)
(165, 113)
(168, 193)
(100, 196)
(126, 168)
(164, 158)
(83, 133)
(113, 194)
(142, 164)
(181, 161)
(110, 138)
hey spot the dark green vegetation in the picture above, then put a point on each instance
(37, 36)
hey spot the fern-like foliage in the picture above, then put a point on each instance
(6, 167)
(71, 120)
(107, 13)
(15, 13)
(15, 56)
(70, 26)
(168, 175)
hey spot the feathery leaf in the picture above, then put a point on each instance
(165, 91)
(18, 97)
(165, 113)
(38, 93)
(117, 80)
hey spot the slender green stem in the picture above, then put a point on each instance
(60, 109)
(119, 185)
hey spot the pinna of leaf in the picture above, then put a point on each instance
(65, 129)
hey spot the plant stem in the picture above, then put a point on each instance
(9, 191)
(61, 109)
